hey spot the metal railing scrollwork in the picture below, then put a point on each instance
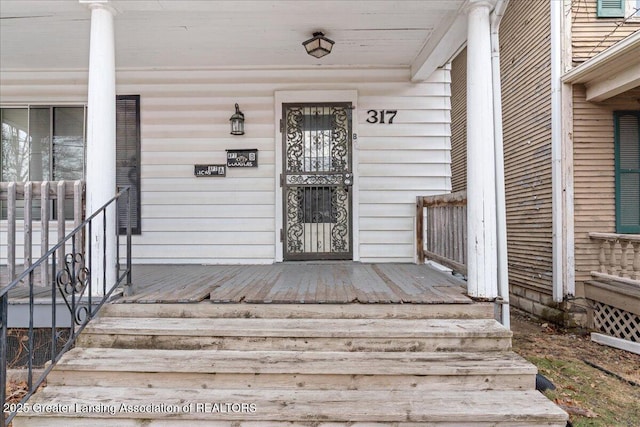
(72, 282)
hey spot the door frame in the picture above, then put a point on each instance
(313, 96)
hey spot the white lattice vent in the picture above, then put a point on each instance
(616, 322)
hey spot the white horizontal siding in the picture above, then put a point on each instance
(210, 198)
(384, 156)
(36, 238)
(185, 121)
(398, 162)
(218, 225)
(191, 157)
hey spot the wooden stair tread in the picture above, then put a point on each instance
(326, 328)
(310, 405)
(206, 309)
(294, 362)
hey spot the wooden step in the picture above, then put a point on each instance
(297, 369)
(205, 309)
(424, 335)
(163, 407)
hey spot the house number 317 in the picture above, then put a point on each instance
(379, 116)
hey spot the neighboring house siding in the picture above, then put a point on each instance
(593, 178)
(459, 122)
(526, 103)
(593, 141)
(591, 35)
(594, 172)
(185, 120)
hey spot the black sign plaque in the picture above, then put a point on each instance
(242, 158)
(210, 170)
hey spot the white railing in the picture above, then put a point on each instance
(19, 198)
(618, 257)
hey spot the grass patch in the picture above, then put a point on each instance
(591, 397)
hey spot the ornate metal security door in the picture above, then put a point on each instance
(316, 180)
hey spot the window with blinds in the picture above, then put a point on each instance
(128, 158)
(627, 141)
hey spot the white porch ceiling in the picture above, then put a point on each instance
(54, 34)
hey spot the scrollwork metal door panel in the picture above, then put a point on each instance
(317, 176)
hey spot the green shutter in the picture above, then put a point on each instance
(627, 152)
(128, 157)
(611, 8)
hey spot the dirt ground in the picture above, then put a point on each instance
(597, 385)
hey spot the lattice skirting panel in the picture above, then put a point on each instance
(616, 322)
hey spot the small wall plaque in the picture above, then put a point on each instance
(247, 158)
(210, 170)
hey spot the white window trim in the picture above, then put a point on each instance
(632, 9)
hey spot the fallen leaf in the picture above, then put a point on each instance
(574, 410)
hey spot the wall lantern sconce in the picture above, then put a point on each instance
(237, 122)
(318, 46)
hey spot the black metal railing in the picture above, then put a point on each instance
(73, 284)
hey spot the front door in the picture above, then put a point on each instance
(316, 180)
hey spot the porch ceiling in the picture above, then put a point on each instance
(47, 34)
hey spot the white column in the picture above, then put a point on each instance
(101, 140)
(482, 260)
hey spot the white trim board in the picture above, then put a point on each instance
(631, 346)
(284, 97)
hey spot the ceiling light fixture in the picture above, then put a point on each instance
(318, 46)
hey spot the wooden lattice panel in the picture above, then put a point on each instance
(616, 322)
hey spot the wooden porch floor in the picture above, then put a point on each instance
(306, 283)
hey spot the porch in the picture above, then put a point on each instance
(295, 360)
(296, 282)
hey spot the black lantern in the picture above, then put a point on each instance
(319, 45)
(237, 122)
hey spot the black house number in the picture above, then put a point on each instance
(379, 116)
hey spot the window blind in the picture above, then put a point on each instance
(128, 157)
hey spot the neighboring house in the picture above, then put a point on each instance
(570, 77)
